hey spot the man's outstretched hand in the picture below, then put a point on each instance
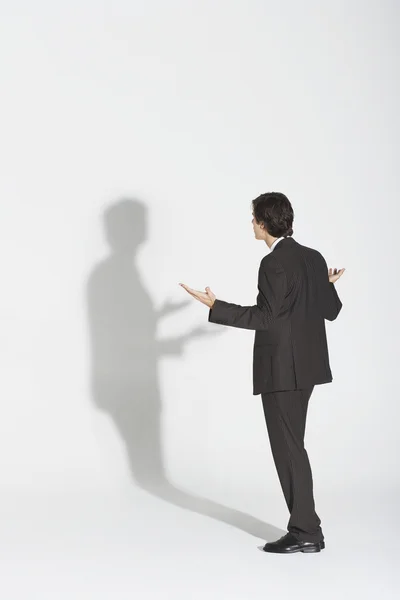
(334, 274)
(206, 297)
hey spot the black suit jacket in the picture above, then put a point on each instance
(294, 298)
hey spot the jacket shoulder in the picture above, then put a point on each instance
(312, 253)
(269, 261)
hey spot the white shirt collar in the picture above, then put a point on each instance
(276, 242)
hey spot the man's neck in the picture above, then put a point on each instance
(274, 243)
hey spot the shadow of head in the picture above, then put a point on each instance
(125, 225)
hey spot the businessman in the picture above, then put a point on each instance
(296, 293)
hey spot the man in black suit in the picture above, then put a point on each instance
(296, 293)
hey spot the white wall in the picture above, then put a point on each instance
(175, 115)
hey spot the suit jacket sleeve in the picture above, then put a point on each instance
(272, 287)
(328, 299)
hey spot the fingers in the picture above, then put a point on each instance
(189, 290)
(336, 271)
(210, 293)
(195, 293)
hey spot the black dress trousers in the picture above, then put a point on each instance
(285, 415)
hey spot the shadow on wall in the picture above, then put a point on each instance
(124, 363)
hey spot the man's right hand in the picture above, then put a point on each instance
(334, 274)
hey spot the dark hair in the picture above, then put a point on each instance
(275, 211)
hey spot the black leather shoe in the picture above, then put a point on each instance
(288, 544)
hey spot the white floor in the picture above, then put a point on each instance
(74, 546)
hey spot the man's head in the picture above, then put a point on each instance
(272, 217)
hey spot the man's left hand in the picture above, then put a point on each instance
(207, 297)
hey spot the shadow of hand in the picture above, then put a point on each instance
(199, 332)
(167, 346)
(170, 307)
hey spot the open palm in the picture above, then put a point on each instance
(334, 274)
(206, 297)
